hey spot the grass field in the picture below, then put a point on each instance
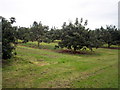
(47, 68)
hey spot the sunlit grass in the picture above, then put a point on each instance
(106, 45)
(42, 45)
(46, 68)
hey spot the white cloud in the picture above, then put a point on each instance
(55, 12)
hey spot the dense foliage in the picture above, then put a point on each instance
(110, 35)
(74, 36)
(8, 38)
(38, 32)
(23, 33)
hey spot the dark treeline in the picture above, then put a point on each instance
(74, 36)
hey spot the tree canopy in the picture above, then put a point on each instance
(73, 36)
(8, 38)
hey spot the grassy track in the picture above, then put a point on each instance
(46, 68)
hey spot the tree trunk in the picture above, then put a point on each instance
(109, 45)
(90, 48)
(74, 49)
(38, 43)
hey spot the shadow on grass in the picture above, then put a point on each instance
(60, 50)
(76, 52)
(15, 59)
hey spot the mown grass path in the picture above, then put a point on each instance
(46, 68)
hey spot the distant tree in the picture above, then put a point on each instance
(53, 34)
(38, 32)
(23, 33)
(114, 35)
(76, 36)
(12, 20)
(8, 38)
(98, 38)
(93, 40)
(110, 35)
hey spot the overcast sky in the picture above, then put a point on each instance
(55, 12)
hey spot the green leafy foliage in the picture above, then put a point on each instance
(8, 38)
(76, 36)
(23, 34)
(38, 32)
(53, 34)
(110, 35)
